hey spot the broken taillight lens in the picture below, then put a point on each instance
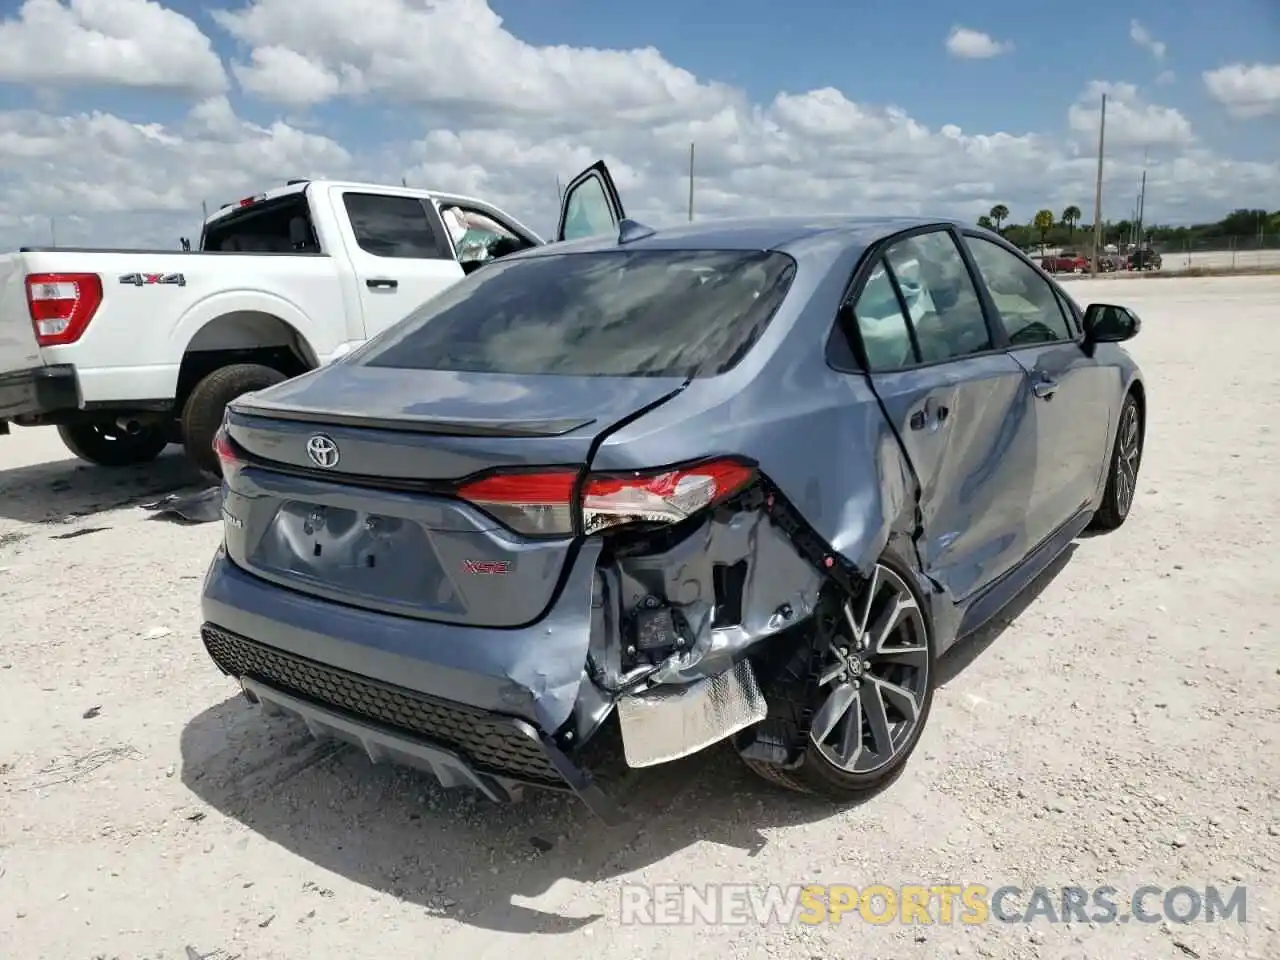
(666, 497)
(543, 503)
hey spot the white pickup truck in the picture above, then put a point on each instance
(127, 351)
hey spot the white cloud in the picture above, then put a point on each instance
(456, 53)
(974, 44)
(121, 178)
(472, 108)
(1246, 91)
(123, 43)
(1166, 77)
(1143, 38)
(1131, 121)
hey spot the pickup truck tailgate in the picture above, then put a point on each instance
(18, 347)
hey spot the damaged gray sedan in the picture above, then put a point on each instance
(644, 491)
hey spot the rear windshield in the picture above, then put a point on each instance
(282, 225)
(652, 313)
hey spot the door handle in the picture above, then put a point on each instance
(375, 283)
(1046, 388)
(930, 416)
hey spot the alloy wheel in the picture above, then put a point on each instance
(1128, 456)
(875, 680)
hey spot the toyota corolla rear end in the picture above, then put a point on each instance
(419, 558)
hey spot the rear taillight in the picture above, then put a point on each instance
(539, 504)
(62, 304)
(543, 503)
(225, 449)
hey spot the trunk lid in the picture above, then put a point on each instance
(378, 525)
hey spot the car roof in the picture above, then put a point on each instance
(788, 233)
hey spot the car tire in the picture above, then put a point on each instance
(202, 413)
(819, 771)
(1122, 471)
(107, 445)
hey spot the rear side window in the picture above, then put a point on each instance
(282, 225)
(940, 296)
(393, 227)
(652, 313)
(882, 326)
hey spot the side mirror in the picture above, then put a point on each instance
(1108, 323)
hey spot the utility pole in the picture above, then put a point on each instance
(1097, 199)
(559, 190)
(691, 183)
(53, 232)
(1142, 207)
(1142, 203)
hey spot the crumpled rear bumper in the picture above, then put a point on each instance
(459, 744)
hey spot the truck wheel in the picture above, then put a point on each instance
(202, 413)
(107, 445)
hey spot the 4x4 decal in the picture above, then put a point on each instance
(146, 279)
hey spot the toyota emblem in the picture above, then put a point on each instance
(322, 451)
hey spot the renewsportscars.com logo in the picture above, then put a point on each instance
(934, 904)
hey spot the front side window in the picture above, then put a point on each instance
(392, 226)
(882, 327)
(940, 296)
(587, 214)
(677, 313)
(478, 237)
(1028, 307)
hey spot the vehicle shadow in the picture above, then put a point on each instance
(64, 489)
(955, 660)
(452, 852)
(455, 854)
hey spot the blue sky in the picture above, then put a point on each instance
(890, 51)
(516, 111)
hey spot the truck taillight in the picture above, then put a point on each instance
(62, 304)
(542, 503)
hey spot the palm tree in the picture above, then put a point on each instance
(985, 223)
(1043, 222)
(1070, 217)
(999, 214)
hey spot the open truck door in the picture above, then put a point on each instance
(590, 206)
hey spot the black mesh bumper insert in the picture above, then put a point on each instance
(489, 741)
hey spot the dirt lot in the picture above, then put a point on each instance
(1121, 729)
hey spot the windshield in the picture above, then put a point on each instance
(653, 313)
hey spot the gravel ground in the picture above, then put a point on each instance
(1120, 728)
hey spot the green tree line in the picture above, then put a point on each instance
(1238, 228)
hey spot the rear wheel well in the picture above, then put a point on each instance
(245, 336)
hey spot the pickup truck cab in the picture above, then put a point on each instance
(126, 351)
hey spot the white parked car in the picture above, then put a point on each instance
(129, 350)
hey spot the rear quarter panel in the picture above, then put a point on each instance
(819, 434)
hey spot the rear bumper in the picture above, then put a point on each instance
(459, 745)
(473, 706)
(532, 673)
(38, 392)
